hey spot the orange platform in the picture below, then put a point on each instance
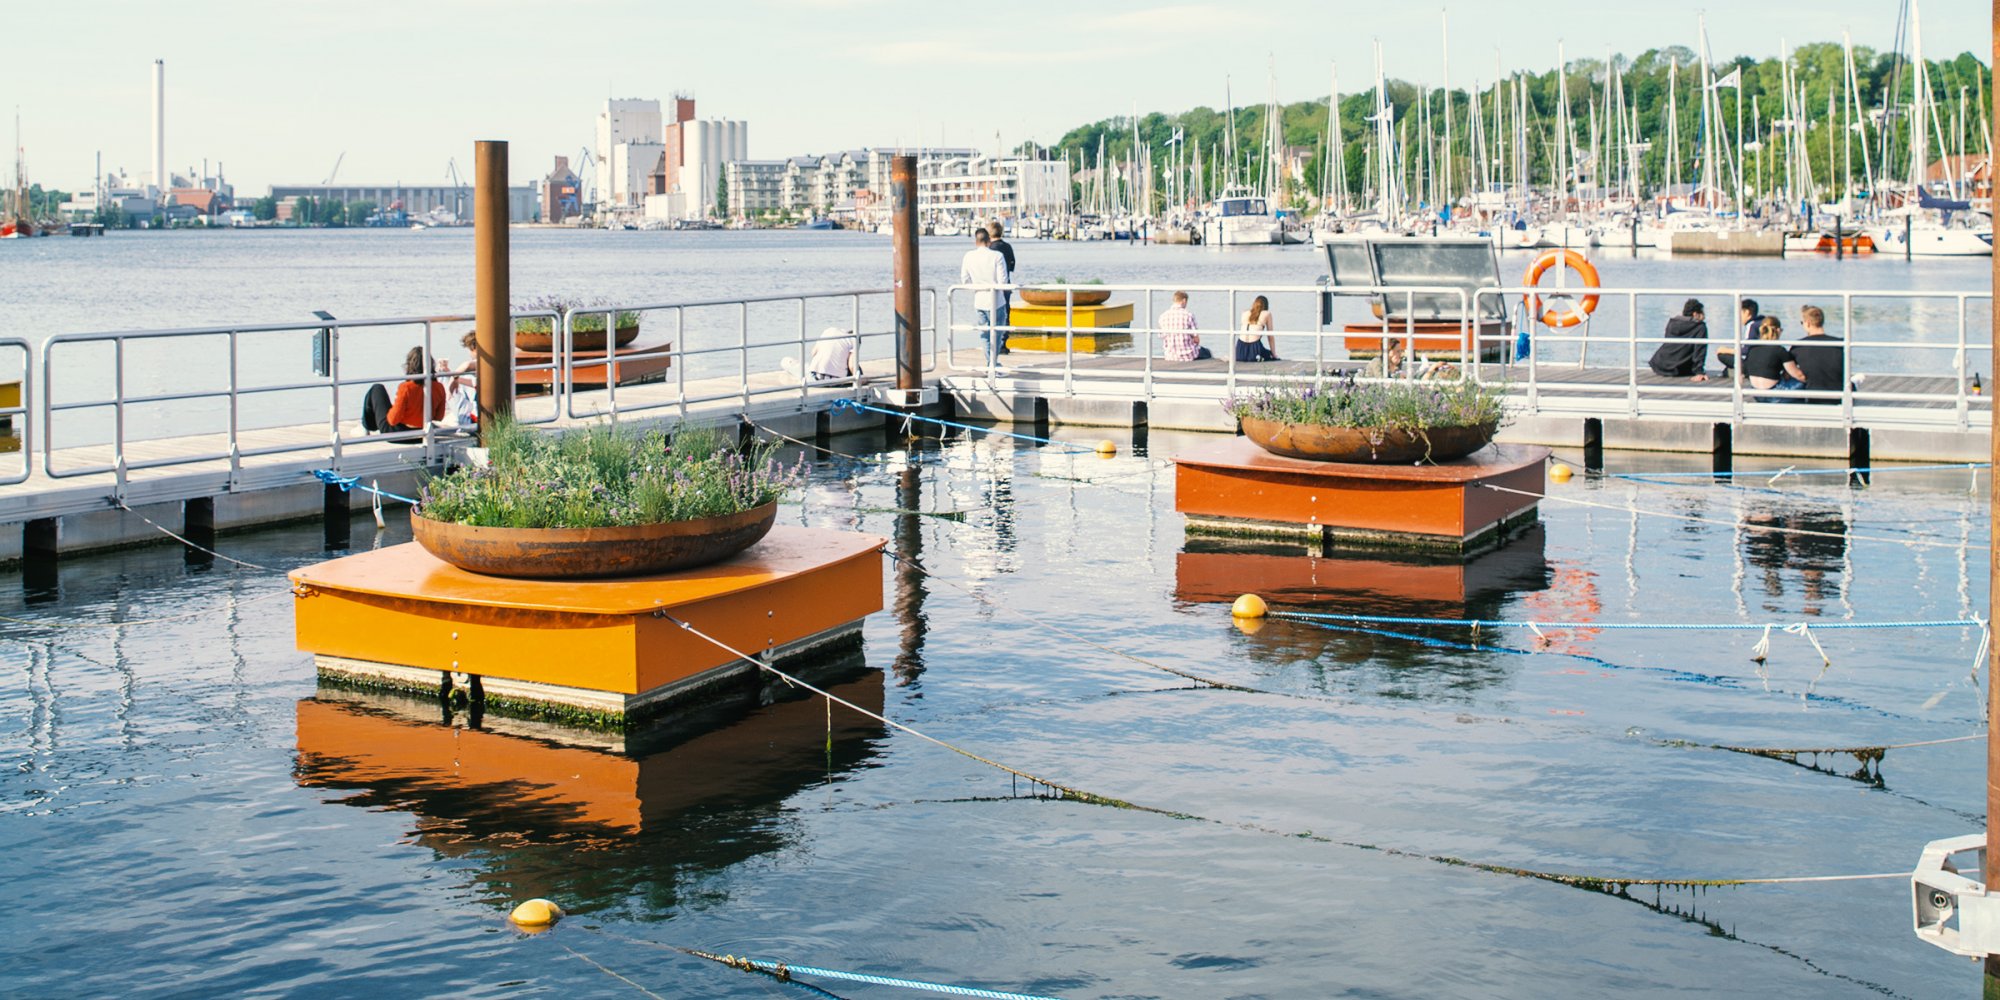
(1437, 341)
(589, 366)
(1215, 571)
(1234, 487)
(591, 651)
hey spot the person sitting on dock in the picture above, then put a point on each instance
(1769, 364)
(1389, 363)
(1178, 340)
(837, 355)
(1752, 322)
(1689, 355)
(462, 393)
(1256, 343)
(1821, 357)
(380, 416)
(982, 265)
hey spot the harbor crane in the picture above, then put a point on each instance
(335, 172)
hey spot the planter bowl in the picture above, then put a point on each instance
(584, 553)
(1369, 447)
(536, 342)
(1056, 297)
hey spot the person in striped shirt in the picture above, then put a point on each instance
(1178, 339)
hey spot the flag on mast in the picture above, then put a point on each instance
(1734, 80)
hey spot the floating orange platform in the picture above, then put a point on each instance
(1438, 341)
(590, 367)
(591, 652)
(1233, 487)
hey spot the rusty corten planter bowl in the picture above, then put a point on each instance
(1046, 297)
(1348, 444)
(539, 342)
(584, 553)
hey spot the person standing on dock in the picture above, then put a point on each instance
(1178, 340)
(982, 265)
(1687, 356)
(1003, 311)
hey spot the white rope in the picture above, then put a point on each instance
(1825, 661)
(1775, 529)
(1978, 661)
(1773, 481)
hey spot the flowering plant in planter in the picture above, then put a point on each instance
(537, 332)
(602, 501)
(1392, 421)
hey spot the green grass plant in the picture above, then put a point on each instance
(1411, 405)
(606, 476)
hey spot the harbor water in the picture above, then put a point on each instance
(188, 813)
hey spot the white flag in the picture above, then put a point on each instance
(1733, 80)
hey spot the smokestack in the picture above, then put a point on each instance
(160, 180)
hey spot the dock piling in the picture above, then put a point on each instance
(1722, 449)
(335, 514)
(41, 540)
(908, 284)
(492, 311)
(1857, 453)
(198, 527)
(1593, 444)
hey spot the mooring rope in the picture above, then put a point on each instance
(332, 478)
(1746, 525)
(1795, 471)
(855, 404)
(1607, 884)
(170, 533)
(1690, 626)
(1870, 752)
(607, 970)
(784, 972)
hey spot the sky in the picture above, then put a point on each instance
(397, 89)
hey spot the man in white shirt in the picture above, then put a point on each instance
(837, 355)
(984, 266)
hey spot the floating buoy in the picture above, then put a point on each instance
(536, 913)
(1248, 606)
(1560, 472)
(1107, 447)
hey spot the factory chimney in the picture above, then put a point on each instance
(160, 180)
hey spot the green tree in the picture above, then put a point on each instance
(265, 208)
(722, 194)
(357, 212)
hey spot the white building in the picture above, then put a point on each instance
(983, 187)
(707, 144)
(756, 186)
(625, 121)
(631, 166)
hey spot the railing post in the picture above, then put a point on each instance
(118, 424)
(903, 265)
(743, 352)
(1069, 340)
(235, 424)
(492, 314)
(1631, 354)
(333, 376)
(681, 370)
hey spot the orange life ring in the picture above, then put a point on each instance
(1579, 308)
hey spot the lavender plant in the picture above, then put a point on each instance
(604, 476)
(563, 305)
(1406, 405)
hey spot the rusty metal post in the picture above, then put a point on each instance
(491, 310)
(1992, 873)
(909, 304)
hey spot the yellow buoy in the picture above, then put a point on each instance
(1248, 606)
(1249, 626)
(1560, 472)
(1107, 447)
(536, 913)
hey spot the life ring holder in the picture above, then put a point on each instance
(1580, 307)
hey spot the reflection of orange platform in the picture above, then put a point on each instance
(1441, 341)
(1216, 571)
(531, 785)
(594, 651)
(1234, 487)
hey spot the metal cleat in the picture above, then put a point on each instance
(906, 398)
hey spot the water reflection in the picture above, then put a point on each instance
(1382, 659)
(1817, 562)
(544, 812)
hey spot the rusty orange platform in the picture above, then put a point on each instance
(590, 651)
(1439, 341)
(1233, 487)
(589, 366)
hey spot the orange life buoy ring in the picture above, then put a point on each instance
(1579, 307)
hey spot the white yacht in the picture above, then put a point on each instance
(1240, 220)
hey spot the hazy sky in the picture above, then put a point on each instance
(277, 89)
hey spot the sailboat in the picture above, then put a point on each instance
(1240, 216)
(1920, 235)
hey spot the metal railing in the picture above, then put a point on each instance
(1541, 381)
(1552, 384)
(90, 413)
(1389, 326)
(19, 417)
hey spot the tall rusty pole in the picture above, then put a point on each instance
(909, 305)
(1992, 873)
(491, 310)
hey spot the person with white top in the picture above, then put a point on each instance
(982, 265)
(1256, 343)
(836, 355)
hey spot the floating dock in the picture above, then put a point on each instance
(594, 653)
(1235, 488)
(1098, 328)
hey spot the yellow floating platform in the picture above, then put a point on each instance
(1098, 328)
(592, 652)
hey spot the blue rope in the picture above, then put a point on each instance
(1679, 626)
(855, 404)
(332, 478)
(781, 969)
